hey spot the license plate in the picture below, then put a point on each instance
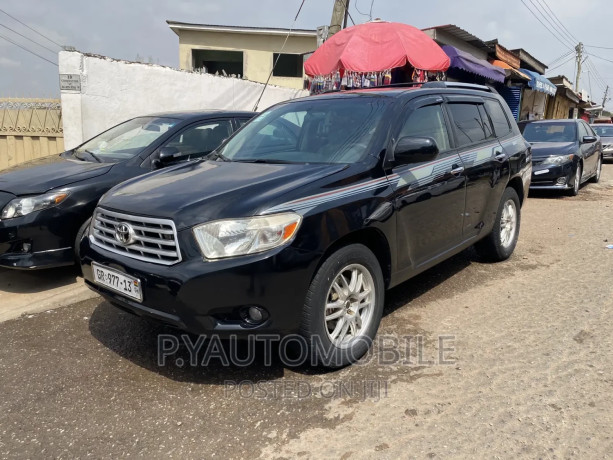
(118, 282)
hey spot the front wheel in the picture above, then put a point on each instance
(501, 242)
(577, 182)
(596, 177)
(343, 307)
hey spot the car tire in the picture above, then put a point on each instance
(347, 333)
(77, 241)
(596, 177)
(500, 243)
(577, 181)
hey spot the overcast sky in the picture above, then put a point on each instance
(127, 28)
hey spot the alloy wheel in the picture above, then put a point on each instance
(349, 305)
(508, 223)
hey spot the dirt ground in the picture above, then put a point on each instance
(506, 360)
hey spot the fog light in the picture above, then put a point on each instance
(254, 315)
(561, 181)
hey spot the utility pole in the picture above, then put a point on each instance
(606, 93)
(341, 7)
(579, 50)
(346, 14)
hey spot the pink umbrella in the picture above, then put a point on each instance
(377, 46)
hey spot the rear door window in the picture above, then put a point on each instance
(468, 125)
(502, 127)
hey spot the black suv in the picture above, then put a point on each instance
(300, 221)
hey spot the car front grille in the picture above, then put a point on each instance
(148, 239)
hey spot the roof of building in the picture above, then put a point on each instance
(176, 26)
(461, 34)
(531, 60)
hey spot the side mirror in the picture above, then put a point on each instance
(165, 156)
(589, 139)
(415, 150)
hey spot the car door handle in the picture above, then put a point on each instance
(500, 156)
(457, 170)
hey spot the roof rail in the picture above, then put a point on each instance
(454, 84)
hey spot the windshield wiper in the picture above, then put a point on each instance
(215, 155)
(94, 156)
(271, 161)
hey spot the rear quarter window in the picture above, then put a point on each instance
(502, 127)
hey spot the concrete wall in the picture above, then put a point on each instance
(257, 51)
(113, 91)
(444, 38)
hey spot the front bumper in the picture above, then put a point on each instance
(43, 239)
(553, 177)
(205, 297)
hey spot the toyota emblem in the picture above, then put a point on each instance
(124, 234)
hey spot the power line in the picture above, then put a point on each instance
(554, 26)
(543, 24)
(570, 58)
(568, 53)
(33, 30)
(29, 51)
(599, 57)
(560, 22)
(355, 5)
(600, 47)
(255, 108)
(27, 38)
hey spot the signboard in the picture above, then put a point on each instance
(70, 82)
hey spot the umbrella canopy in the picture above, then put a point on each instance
(468, 63)
(377, 46)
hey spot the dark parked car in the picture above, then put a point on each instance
(565, 154)
(605, 131)
(302, 220)
(44, 205)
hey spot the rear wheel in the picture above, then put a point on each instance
(343, 307)
(577, 182)
(596, 177)
(501, 242)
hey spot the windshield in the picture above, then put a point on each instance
(310, 131)
(126, 140)
(550, 132)
(603, 130)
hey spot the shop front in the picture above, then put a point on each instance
(536, 96)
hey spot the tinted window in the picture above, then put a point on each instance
(313, 130)
(427, 122)
(498, 117)
(583, 130)
(468, 124)
(202, 138)
(550, 132)
(487, 123)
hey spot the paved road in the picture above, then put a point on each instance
(25, 292)
(526, 371)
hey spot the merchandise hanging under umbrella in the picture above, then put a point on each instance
(377, 46)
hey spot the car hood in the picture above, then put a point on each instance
(43, 174)
(546, 149)
(199, 192)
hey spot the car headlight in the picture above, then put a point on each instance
(24, 206)
(558, 159)
(237, 237)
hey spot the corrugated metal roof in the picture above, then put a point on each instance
(461, 34)
(175, 25)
